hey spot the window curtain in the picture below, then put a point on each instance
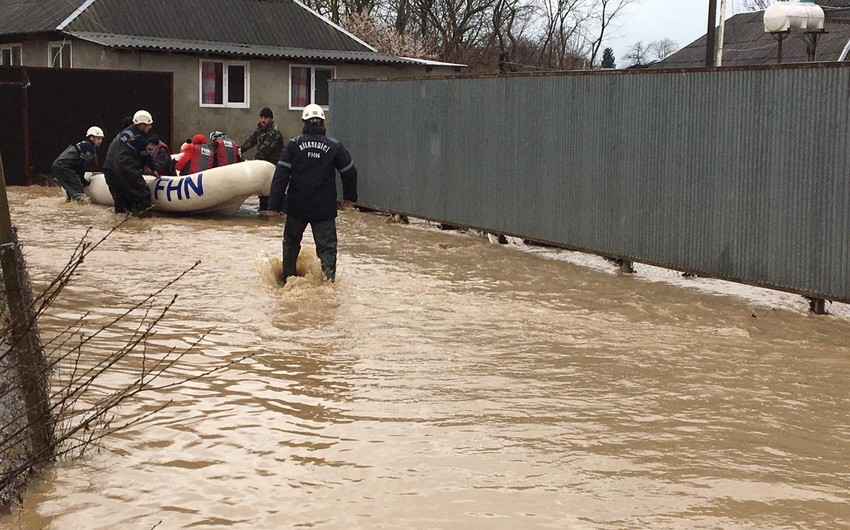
(300, 87)
(212, 83)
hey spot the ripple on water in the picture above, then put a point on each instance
(442, 382)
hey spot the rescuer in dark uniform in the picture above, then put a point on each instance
(131, 156)
(70, 166)
(304, 187)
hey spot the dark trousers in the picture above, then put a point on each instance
(69, 180)
(137, 194)
(264, 202)
(324, 235)
(120, 194)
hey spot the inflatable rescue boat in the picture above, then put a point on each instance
(217, 191)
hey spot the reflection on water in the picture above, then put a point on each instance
(443, 382)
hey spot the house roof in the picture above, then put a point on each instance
(29, 16)
(259, 28)
(251, 50)
(745, 42)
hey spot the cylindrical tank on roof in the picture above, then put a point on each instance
(783, 15)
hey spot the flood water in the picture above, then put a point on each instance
(443, 382)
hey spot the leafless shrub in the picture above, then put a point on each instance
(80, 416)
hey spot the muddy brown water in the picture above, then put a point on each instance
(443, 382)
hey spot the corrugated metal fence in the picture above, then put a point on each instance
(730, 173)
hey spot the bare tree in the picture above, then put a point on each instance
(458, 25)
(560, 40)
(338, 10)
(637, 54)
(484, 34)
(604, 13)
(396, 13)
(660, 49)
(384, 37)
(510, 22)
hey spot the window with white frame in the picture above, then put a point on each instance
(59, 54)
(224, 84)
(309, 84)
(10, 54)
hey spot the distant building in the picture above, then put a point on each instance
(229, 58)
(745, 42)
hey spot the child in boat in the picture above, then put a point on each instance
(197, 156)
(162, 162)
(225, 151)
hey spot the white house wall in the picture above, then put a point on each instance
(269, 87)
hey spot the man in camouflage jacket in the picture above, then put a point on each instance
(269, 144)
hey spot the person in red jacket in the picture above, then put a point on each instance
(197, 156)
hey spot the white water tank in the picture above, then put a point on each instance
(783, 15)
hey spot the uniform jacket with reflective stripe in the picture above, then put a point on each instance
(304, 182)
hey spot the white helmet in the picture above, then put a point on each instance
(95, 131)
(215, 135)
(142, 116)
(312, 111)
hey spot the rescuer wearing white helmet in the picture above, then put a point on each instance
(142, 117)
(70, 166)
(129, 155)
(312, 111)
(304, 187)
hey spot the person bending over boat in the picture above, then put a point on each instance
(130, 157)
(304, 186)
(224, 150)
(117, 191)
(70, 166)
(197, 156)
(269, 142)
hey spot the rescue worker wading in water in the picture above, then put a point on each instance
(304, 186)
(131, 155)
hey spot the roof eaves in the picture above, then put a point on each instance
(335, 26)
(231, 48)
(429, 62)
(74, 15)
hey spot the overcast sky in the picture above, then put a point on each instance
(682, 21)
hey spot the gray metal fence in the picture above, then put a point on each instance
(739, 174)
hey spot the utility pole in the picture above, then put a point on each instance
(720, 31)
(709, 36)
